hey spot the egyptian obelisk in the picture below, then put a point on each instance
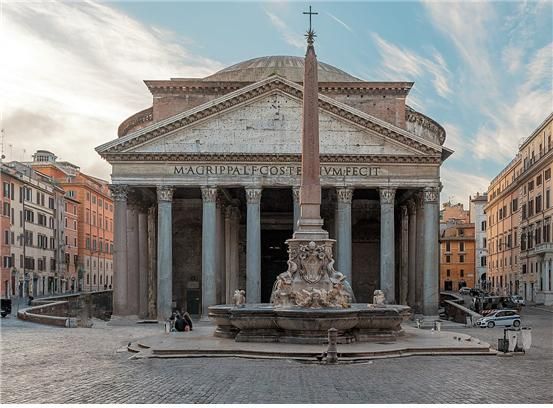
(310, 223)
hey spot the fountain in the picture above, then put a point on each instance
(310, 297)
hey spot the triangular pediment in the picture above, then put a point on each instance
(266, 118)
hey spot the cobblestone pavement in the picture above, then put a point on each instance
(41, 364)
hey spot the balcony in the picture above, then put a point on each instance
(544, 248)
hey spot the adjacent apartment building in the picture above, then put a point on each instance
(91, 199)
(478, 218)
(32, 242)
(457, 248)
(519, 211)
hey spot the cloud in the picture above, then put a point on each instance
(332, 16)
(459, 185)
(499, 137)
(402, 64)
(512, 57)
(292, 38)
(466, 25)
(71, 72)
(455, 139)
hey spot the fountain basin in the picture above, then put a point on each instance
(264, 322)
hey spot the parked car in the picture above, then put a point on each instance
(517, 299)
(465, 291)
(506, 318)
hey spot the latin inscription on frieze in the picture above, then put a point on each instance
(273, 170)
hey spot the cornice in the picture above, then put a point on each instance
(255, 90)
(269, 158)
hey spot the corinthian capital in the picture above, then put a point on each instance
(165, 193)
(253, 195)
(119, 192)
(344, 194)
(209, 194)
(431, 194)
(387, 195)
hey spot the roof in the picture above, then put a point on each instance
(289, 67)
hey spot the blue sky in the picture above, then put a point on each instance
(481, 69)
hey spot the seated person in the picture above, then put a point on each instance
(187, 319)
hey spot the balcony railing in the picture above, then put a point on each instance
(544, 248)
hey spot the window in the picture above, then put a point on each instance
(484, 242)
(51, 203)
(462, 273)
(29, 216)
(447, 259)
(93, 199)
(523, 211)
(538, 204)
(530, 185)
(538, 180)
(448, 273)
(514, 205)
(530, 208)
(483, 261)
(7, 190)
(547, 174)
(483, 226)
(547, 199)
(461, 246)
(448, 246)
(461, 258)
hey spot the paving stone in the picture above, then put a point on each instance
(42, 364)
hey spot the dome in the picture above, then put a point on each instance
(291, 68)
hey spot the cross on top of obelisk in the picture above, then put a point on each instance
(310, 34)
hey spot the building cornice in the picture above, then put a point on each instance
(269, 158)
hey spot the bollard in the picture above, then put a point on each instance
(438, 325)
(332, 352)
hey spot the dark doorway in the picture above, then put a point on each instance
(193, 301)
(274, 255)
(448, 285)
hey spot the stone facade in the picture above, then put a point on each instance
(231, 157)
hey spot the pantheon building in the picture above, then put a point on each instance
(205, 185)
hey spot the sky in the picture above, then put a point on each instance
(71, 72)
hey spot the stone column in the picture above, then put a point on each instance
(431, 255)
(343, 230)
(119, 195)
(143, 263)
(220, 227)
(253, 245)
(412, 252)
(420, 251)
(545, 272)
(209, 249)
(404, 254)
(232, 228)
(132, 260)
(164, 252)
(296, 197)
(387, 243)
(152, 263)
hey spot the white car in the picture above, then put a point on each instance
(518, 300)
(500, 318)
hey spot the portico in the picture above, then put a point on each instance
(205, 198)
